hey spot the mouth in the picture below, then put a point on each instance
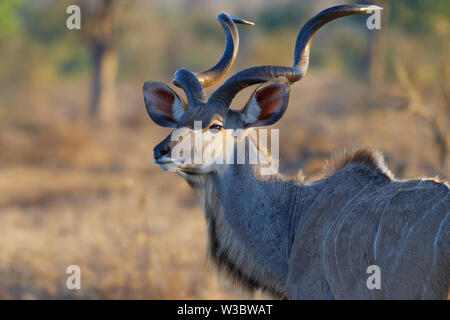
(166, 163)
(169, 164)
(164, 160)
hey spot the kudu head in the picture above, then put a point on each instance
(266, 105)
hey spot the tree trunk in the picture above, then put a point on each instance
(102, 106)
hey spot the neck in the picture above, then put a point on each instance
(249, 223)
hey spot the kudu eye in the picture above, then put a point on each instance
(216, 127)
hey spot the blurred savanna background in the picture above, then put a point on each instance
(77, 182)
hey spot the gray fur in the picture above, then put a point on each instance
(296, 240)
(315, 241)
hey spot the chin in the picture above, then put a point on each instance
(168, 166)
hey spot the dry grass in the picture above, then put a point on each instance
(72, 194)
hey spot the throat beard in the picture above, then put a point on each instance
(225, 254)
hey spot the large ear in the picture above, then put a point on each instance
(162, 103)
(267, 104)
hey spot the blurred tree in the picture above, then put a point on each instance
(102, 29)
(8, 21)
(436, 119)
(423, 71)
(10, 29)
(288, 15)
(418, 16)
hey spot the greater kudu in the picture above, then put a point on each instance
(296, 240)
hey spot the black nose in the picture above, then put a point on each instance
(160, 151)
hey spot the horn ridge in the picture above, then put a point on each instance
(227, 91)
(193, 83)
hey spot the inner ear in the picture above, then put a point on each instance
(267, 104)
(163, 104)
